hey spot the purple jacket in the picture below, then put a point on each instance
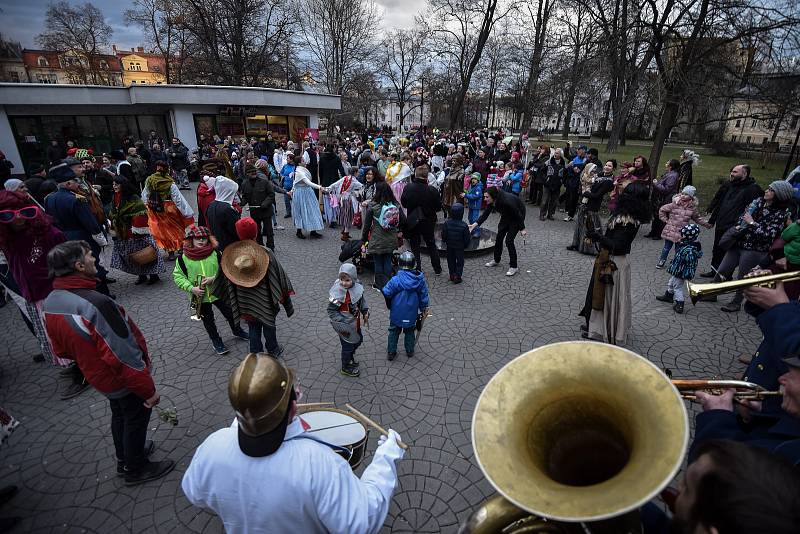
(27, 260)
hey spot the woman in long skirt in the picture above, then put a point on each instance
(132, 234)
(587, 219)
(168, 213)
(608, 306)
(305, 206)
(343, 194)
(398, 174)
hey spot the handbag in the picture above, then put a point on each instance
(144, 256)
(731, 236)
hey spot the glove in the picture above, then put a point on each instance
(387, 446)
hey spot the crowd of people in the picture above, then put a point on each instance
(55, 223)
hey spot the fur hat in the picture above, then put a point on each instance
(783, 190)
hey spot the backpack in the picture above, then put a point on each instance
(389, 219)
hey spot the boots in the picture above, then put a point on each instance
(77, 384)
(300, 234)
(678, 307)
(668, 296)
(314, 234)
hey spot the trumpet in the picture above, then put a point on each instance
(697, 291)
(196, 302)
(744, 390)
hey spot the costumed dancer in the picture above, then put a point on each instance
(132, 233)
(343, 197)
(454, 183)
(398, 175)
(683, 267)
(587, 219)
(305, 206)
(168, 213)
(200, 263)
(264, 473)
(255, 286)
(347, 307)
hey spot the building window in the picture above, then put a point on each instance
(754, 123)
(46, 78)
(42, 61)
(733, 139)
(14, 76)
(135, 66)
(748, 139)
(158, 83)
(738, 122)
(143, 82)
(103, 64)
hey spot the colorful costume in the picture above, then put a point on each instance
(167, 210)
(343, 193)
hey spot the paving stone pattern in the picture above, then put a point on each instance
(62, 455)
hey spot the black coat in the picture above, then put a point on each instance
(421, 195)
(221, 218)
(259, 194)
(731, 200)
(330, 168)
(510, 208)
(595, 195)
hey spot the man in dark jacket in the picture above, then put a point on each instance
(727, 206)
(512, 221)
(55, 153)
(178, 159)
(38, 176)
(258, 192)
(422, 202)
(110, 351)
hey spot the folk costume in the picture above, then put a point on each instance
(346, 308)
(342, 196)
(221, 215)
(264, 474)
(131, 233)
(168, 213)
(587, 218)
(305, 205)
(398, 175)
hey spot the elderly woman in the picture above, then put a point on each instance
(131, 234)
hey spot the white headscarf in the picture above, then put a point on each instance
(210, 181)
(226, 189)
(13, 184)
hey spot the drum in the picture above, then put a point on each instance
(337, 427)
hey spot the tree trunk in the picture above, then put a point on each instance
(573, 85)
(669, 114)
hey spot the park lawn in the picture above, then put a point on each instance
(708, 174)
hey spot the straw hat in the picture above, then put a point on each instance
(245, 263)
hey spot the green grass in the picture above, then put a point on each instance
(707, 175)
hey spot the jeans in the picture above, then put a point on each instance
(549, 203)
(287, 202)
(507, 232)
(665, 251)
(745, 260)
(678, 287)
(424, 230)
(348, 351)
(383, 269)
(455, 262)
(207, 313)
(270, 337)
(408, 339)
(129, 420)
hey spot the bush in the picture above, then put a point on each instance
(724, 148)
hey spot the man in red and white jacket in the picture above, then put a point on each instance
(86, 326)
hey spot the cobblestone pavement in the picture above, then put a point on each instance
(62, 458)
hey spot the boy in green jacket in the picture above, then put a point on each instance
(194, 270)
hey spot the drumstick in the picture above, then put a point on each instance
(309, 404)
(374, 425)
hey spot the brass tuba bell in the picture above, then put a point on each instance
(575, 432)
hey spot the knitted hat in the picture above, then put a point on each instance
(13, 184)
(689, 190)
(83, 153)
(196, 231)
(690, 231)
(783, 190)
(261, 164)
(246, 228)
(476, 175)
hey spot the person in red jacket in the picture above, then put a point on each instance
(86, 326)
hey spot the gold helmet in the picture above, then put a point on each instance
(260, 390)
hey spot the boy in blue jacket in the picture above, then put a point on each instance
(455, 233)
(286, 181)
(406, 297)
(474, 198)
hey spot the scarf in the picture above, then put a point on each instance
(200, 253)
(123, 212)
(602, 274)
(160, 184)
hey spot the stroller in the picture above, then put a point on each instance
(351, 251)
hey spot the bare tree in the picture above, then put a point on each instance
(578, 40)
(402, 64)
(79, 33)
(541, 21)
(161, 24)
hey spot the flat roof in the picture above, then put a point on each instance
(22, 94)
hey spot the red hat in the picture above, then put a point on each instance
(246, 228)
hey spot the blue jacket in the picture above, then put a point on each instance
(406, 295)
(286, 172)
(72, 215)
(474, 196)
(455, 232)
(516, 181)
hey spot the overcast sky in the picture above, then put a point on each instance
(23, 20)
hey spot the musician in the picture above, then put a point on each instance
(264, 474)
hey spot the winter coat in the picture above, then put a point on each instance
(768, 224)
(286, 176)
(259, 194)
(207, 267)
(455, 232)
(666, 186)
(731, 200)
(554, 174)
(510, 208)
(406, 296)
(538, 167)
(599, 188)
(330, 168)
(205, 197)
(221, 218)
(514, 179)
(419, 194)
(381, 241)
(474, 196)
(178, 157)
(677, 214)
(480, 165)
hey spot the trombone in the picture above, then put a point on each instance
(698, 291)
(196, 302)
(743, 390)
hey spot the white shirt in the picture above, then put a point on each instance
(304, 487)
(279, 158)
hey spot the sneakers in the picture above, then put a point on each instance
(149, 447)
(220, 347)
(278, 227)
(277, 352)
(410, 354)
(512, 271)
(241, 334)
(75, 388)
(668, 296)
(149, 471)
(678, 307)
(568, 218)
(660, 264)
(350, 370)
(391, 356)
(491, 264)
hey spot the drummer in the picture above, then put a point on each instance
(264, 474)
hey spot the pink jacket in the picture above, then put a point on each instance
(677, 214)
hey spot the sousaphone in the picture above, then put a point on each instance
(575, 432)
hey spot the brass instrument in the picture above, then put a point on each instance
(575, 432)
(194, 305)
(697, 291)
(744, 390)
